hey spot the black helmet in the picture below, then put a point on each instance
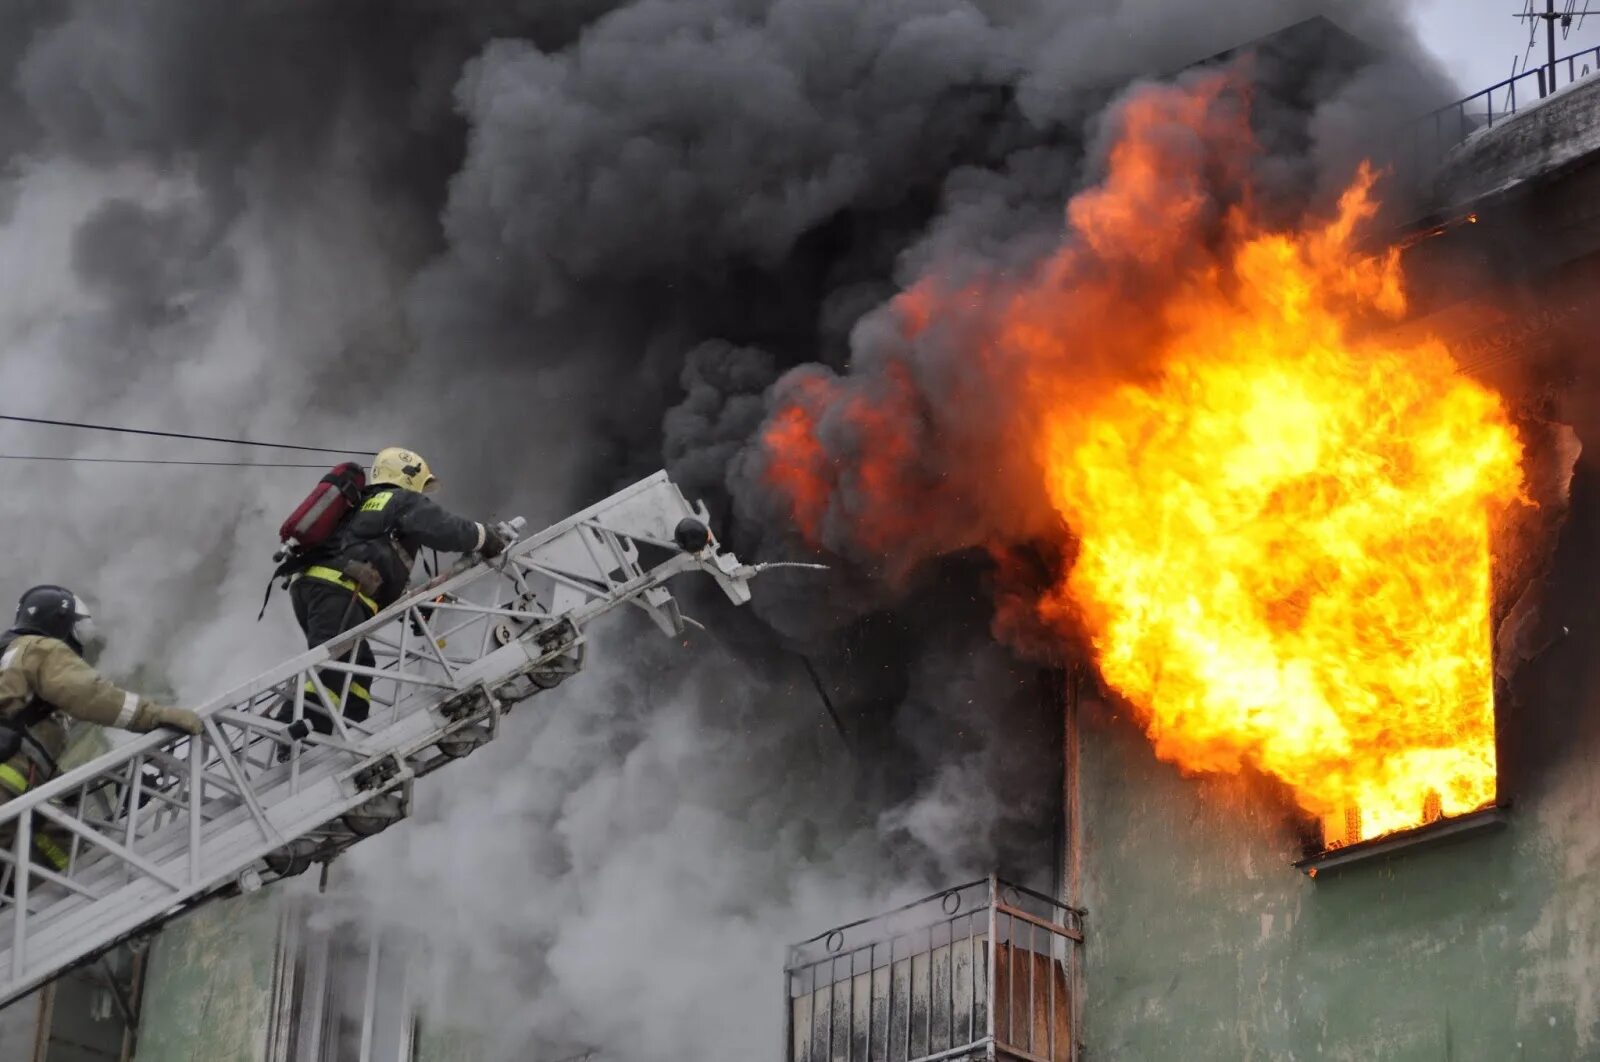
(54, 612)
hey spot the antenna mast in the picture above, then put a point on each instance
(1551, 16)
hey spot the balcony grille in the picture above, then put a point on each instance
(914, 985)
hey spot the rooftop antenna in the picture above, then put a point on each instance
(1566, 22)
(1511, 82)
(1551, 16)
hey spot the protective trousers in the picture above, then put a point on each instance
(49, 841)
(326, 610)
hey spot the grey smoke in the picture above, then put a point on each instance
(149, 266)
(724, 402)
(555, 246)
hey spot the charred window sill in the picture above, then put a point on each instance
(1334, 859)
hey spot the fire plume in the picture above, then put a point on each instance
(1281, 519)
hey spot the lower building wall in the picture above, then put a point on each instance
(1203, 942)
(19, 1027)
(258, 979)
(209, 985)
(437, 1044)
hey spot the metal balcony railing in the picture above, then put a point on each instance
(1426, 139)
(914, 985)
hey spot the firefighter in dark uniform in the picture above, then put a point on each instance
(366, 567)
(43, 676)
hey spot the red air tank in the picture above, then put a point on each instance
(315, 518)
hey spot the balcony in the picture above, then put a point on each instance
(914, 985)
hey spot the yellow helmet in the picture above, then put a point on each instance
(403, 468)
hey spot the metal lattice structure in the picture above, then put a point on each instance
(165, 821)
(982, 970)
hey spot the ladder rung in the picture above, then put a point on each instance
(212, 811)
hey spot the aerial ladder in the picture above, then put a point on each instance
(166, 822)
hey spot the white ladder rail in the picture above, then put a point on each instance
(182, 818)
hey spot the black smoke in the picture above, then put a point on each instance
(556, 246)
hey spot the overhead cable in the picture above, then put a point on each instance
(178, 435)
(827, 701)
(152, 461)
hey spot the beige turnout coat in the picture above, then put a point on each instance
(34, 666)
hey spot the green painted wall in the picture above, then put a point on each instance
(438, 1044)
(1202, 942)
(209, 984)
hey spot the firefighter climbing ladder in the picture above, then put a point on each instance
(166, 822)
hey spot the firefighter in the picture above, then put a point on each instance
(366, 567)
(42, 673)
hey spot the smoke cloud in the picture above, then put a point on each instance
(555, 246)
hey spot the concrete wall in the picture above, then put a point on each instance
(1543, 136)
(1203, 943)
(208, 989)
(252, 980)
(437, 1044)
(19, 1024)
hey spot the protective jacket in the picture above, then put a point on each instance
(388, 530)
(39, 678)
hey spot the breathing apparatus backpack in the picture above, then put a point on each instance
(312, 524)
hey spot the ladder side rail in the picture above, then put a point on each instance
(176, 835)
(313, 658)
(241, 698)
(173, 833)
(240, 844)
(66, 940)
(168, 837)
(230, 782)
(122, 911)
(415, 628)
(204, 817)
(186, 829)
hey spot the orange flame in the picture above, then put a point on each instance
(1282, 519)
(799, 466)
(880, 462)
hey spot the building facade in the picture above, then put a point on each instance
(1174, 923)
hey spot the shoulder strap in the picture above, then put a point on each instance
(294, 562)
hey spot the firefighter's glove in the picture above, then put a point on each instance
(180, 719)
(494, 543)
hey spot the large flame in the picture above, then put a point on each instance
(1285, 539)
(1282, 519)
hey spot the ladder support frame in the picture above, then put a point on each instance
(197, 816)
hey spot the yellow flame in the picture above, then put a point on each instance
(1285, 537)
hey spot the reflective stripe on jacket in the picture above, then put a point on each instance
(36, 667)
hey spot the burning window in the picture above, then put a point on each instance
(1281, 514)
(1521, 544)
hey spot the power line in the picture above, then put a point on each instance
(151, 461)
(178, 435)
(827, 701)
